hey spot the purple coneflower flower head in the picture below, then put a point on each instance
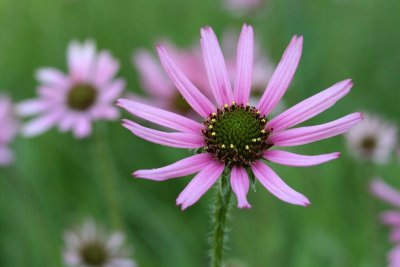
(9, 128)
(374, 139)
(234, 135)
(91, 246)
(73, 101)
(390, 195)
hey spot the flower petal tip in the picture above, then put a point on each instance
(244, 206)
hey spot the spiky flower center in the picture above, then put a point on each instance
(236, 135)
(94, 254)
(81, 97)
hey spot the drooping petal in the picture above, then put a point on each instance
(6, 156)
(390, 217)
(106, 67)
(153, 80)
(82, 127)
(41, 124)
(81, 59)
(282, 76)
(216, 67)
(200, 184)
(180, 140)
(180, 168)
(201, 104)
(240, 186)
(160, 117)
(53, 78)
(385, 192)
(291, 159)
(310, 107)
(271, 181)
(32, 107)
(309, 134)
(244, 65)
(112, 91)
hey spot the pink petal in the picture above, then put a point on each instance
(390, 217)
(244, 69)
(394, 257)
(216, 67)
(395, 234)
(67, 122)
(180, 168)
(41, 124)
(83, 127)
(151, 75)
(54, 94)
(160, 117)
(106, 68)
(200, 184)
(104, 112)
(110, 92)
(32, 107)
(6, 156)
(311, 106)
(81, 59)
(282, 76)
(291, 159)
(240, 186)
(201, 104)
(53, 78)
(271, 181)
(309, 134)
(385, 192)
(180, 140)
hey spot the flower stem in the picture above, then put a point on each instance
(220, 217)
(108, 176)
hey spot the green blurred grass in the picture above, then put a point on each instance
(56, 181)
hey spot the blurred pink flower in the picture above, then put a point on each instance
(9, 128)
(91, 246)
(234, 135)
(163, 92)
(392, 218)
(73, 101)
(374, 139)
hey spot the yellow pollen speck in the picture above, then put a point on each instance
(258, 112)
(223, 146)
(254, 140)
(226, 106)
(248, 104)
(263, 131)
(259, 139)
(232, 146)
(214, 114)
(263, 120)
(213, 120)
(213, 134)
(233, 103)
(247, 147)
(210, 126)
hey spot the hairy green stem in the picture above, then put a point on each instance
(108, 177)
(220, 218)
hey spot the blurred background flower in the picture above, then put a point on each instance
(9, 128)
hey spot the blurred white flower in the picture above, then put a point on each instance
(91, 246)
(8, 130)
(373, 139)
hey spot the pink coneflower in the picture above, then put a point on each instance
(374, 139)
(73, 101)
(159, 88)
(91, 246)
(9, 128)
(392, 218)
(234, 135)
